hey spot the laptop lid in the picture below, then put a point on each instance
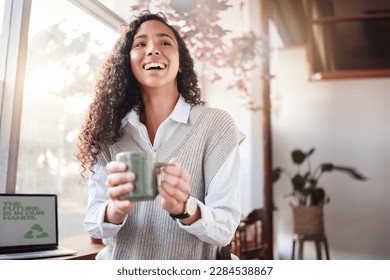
(28, 222)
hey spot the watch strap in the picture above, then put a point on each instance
(182, 215)
(179, 216)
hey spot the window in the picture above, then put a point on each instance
(349, 38)
(2, 3)
(65, 50)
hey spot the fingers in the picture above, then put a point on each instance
(171, 203)
(116, 166)
(118, 178)
(176, 181)
(123, 206)
(174, 193)
(175, 187)
(117, 191)
(174, 168)
(118, 183)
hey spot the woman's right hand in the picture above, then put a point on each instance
(118, 182)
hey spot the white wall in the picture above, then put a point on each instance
(249, 122)
(250, 151)
(347, 121)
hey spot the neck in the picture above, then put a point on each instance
(158, 106)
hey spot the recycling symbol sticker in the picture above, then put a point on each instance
(36, 231)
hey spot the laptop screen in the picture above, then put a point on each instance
(28, 221)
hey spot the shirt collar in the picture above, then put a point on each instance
(180, 114)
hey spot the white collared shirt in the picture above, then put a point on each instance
(220, 214)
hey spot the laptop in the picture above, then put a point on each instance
(29, 227)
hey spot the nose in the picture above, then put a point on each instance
(153, 50)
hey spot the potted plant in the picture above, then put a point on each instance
(309, 196)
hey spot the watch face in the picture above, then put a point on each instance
(191, 206)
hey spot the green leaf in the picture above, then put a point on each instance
(298, 182)
(317, 196)
(327, 167)
(298, 156)
(309, 153)
(276, 174)
(351, 171)
(312, 182)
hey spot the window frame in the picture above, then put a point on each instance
(313, 51)
(14, 53)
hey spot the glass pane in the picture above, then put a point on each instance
(2, 3)
(66, 48)
(122, 7)
(2, 41)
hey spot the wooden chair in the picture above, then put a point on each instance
(247, 243)
(225, 253)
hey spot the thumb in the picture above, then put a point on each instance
(175, 162)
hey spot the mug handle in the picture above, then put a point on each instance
(162, 164)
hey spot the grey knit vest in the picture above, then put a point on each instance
(149, 233)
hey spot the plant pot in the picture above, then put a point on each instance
(308, 220)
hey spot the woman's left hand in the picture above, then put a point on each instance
(175, 187)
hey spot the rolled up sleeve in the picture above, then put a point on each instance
(97, 203)
(221, 212)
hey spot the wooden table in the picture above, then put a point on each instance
(86, 250)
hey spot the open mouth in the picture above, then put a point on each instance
(154, 66)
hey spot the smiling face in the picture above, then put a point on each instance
(154, 56)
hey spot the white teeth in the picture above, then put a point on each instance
(158, 65)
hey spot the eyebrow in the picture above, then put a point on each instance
(142, 36)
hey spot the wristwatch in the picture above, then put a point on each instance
(189, 209)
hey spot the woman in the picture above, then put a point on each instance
(147, 99)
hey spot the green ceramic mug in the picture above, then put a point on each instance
(144, 165)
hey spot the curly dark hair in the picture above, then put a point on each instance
(117, 92)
